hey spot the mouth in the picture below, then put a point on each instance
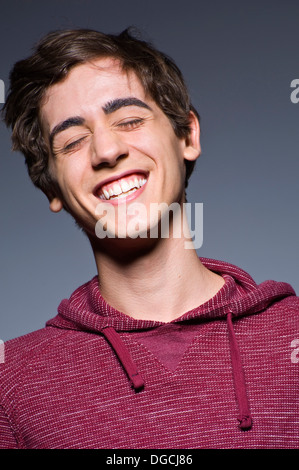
(123, 187)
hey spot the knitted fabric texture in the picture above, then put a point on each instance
(96, 378)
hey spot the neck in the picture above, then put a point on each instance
(153, 279)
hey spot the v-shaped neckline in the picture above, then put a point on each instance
(168, 343)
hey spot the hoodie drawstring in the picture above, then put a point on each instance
(239, 379)
(124, 356)
(130, 367)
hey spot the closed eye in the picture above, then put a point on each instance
(73, 145)
(131, 124)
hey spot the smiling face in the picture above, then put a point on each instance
(111, 144)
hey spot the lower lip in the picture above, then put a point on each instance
(124, 199)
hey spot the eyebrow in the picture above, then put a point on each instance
(62, 126)
(108, 108)
(118, 103)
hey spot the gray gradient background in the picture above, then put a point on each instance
(239, 58)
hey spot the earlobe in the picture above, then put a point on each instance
(193, 148)
(191, 153)
(56, 205)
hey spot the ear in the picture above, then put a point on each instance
(55, 204)
(192, 148)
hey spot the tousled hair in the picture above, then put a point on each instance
(53, 58)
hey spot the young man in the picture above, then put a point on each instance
(161, 349)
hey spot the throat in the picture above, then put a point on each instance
(161, 291)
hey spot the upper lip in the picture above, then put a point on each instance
(118, 177)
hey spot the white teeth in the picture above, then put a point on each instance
(122, 187)
(132, 184)
(116, 189)
(106, 194)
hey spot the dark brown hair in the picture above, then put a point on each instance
(55, 55)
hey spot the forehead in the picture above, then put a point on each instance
(87, 87)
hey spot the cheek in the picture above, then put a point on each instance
(69, 172)
(175, 161)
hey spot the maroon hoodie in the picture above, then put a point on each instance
(224, 375)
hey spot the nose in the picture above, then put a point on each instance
(108, 147)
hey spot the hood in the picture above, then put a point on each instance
(86, 310)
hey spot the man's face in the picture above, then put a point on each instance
(110, 145)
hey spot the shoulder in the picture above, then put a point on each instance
(281, 315)
(22, 353)
(287, 308)
(24, 347)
